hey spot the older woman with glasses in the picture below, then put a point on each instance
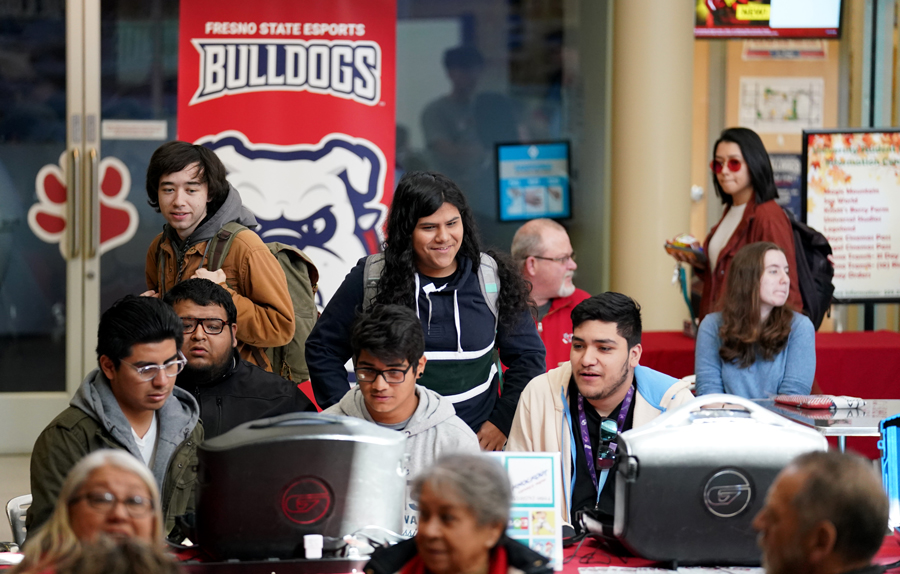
(464, 503)
(743, 178)
(109, 493)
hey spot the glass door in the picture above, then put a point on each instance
(138, 84)
(43, 294)
(87, 92)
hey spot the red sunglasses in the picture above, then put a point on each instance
(734, 165)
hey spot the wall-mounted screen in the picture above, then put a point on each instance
(533, 181)
(768, 19)
(851, 193)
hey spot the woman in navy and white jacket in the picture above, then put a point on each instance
(433, 263)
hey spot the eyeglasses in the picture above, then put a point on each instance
(563, 260)
(392, 376)
(606, 458)
(210, 326)
(149, 372)
(733, 164)
(104, 502)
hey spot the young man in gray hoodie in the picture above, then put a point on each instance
(130, 403)
(389, 355)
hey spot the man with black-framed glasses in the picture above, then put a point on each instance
(230, 390)
(388, 356)
(130, 403)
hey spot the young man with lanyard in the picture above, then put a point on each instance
(601, 391)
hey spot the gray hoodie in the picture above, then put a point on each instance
(177, 419)
(433, 430)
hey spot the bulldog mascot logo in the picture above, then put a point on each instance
(324, 198)
(298, 100)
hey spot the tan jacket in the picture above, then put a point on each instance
(265, 314)
(539, 422)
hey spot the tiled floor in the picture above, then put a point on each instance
(13, 482)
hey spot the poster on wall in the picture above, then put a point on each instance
(535, 518)
(784, 50)
(298, 101)
(788, 172)
(852, 195)
(781, 105)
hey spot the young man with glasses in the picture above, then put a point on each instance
(230, 390)
(579, 408)
(542, 250)
(131, 403)
(389, 355)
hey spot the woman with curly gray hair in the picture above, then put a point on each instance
(464, 503)
(109, 493)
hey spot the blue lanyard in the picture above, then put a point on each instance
(586, 439)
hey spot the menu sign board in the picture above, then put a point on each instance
(852, 195)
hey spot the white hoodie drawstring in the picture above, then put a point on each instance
(428, 290)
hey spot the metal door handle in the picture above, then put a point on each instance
(91, 206)
(73, 201)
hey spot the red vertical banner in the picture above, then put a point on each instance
(298, 100)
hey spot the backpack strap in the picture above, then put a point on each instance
(487, 280)
(219, 245)
(372, 271)
(161, 265)
(490, 284)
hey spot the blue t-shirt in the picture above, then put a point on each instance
(790, 372)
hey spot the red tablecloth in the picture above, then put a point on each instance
(590, 555)
(862, 364)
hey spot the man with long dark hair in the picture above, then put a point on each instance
(473, 306)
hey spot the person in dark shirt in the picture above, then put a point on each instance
(230, 390)
(826, 513)
(584, 496)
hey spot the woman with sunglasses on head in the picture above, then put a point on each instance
(109, 493)
(742, 175)
(471, 305)
(758, 346)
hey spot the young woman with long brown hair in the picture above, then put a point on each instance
(758, 346)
